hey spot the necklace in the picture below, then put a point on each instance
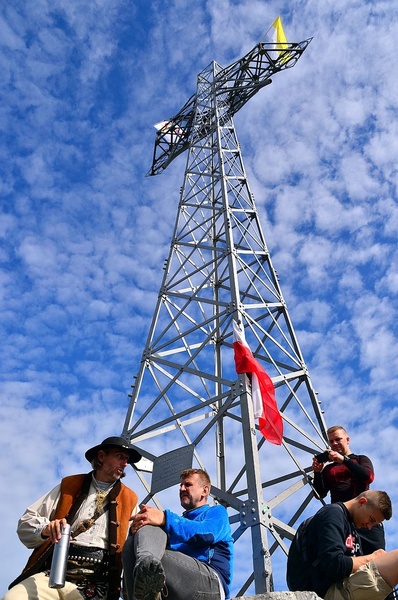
(100, 501)
(102, 490)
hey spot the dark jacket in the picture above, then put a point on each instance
(332, 542)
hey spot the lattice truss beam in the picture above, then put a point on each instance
(237, 83)
(187, 392)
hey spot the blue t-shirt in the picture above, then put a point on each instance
(205, 534)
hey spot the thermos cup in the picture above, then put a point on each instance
(60, 558)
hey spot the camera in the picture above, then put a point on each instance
(322, 458)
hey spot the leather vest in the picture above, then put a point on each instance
(74, 490)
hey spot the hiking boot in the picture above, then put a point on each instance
(149, 579)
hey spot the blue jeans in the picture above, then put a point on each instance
(186, 578)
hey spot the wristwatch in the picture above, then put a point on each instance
(347, 458)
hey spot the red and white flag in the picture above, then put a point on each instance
(263, 391)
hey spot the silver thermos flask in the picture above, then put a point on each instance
(60, 557)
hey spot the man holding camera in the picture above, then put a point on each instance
(345, 476)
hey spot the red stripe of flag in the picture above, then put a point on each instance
(263, 391)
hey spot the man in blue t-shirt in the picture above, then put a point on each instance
(183, 556)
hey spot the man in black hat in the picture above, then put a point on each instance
(99, 508)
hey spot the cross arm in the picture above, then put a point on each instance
(234, 86)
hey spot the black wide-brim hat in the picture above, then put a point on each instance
(114, 442)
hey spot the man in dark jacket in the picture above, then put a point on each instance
(338, 570)
(99, 508)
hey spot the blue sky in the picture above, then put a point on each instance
(84, 233)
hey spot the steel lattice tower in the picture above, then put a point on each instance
(188, 405)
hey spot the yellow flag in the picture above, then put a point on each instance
(279, 34)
